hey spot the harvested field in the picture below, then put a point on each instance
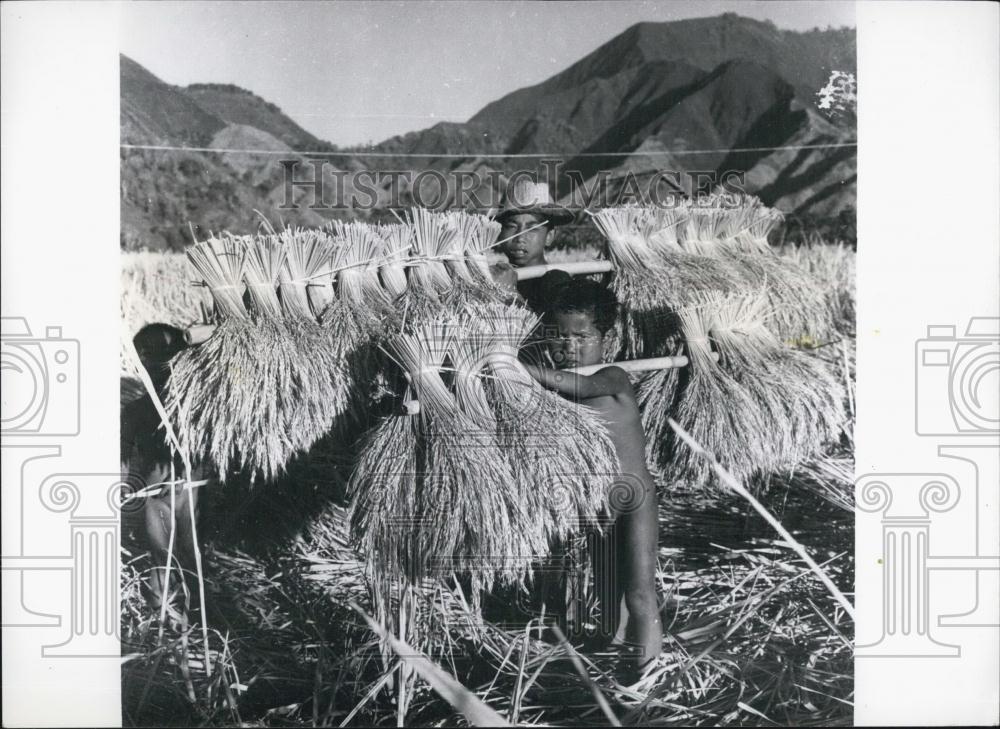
(752, 636)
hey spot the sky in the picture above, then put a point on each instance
(354, 72)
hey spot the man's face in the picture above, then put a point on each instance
(528, 247)
(577, 342)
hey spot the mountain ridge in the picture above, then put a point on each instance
(651, 98)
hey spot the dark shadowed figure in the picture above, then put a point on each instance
(147, 461)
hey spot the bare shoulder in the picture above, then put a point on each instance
(615, 376)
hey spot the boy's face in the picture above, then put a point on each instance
(528, 248)
(577, 341)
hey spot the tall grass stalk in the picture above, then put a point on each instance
(732, 482)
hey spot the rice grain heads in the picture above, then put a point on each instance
(266, 385)
(561, 451)
(759, 406)
(430, 497)
(490, 470)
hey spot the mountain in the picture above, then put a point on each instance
(167, 193)
(239, 106)
(804, 60)
(153, 112)
(678, 96)
(699, 98)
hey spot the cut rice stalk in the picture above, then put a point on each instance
(751, 355)
(360, 316)
(479, 240)
(385, 502)
(733, 230)
(756, 224)
(471, 281)
(467, 498)
(694, 268)
(359, 253)
(704, 228)
(463, 226)
(657, 395)
(256, 395)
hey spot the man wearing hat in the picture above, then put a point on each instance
(529, 217)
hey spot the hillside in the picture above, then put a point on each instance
(239, 106)
(153, 112)
(163, 191)
(697, 97)
(657, 96)
(804, 60)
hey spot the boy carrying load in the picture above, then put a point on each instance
(581, 312)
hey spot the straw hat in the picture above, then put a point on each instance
(533, 197)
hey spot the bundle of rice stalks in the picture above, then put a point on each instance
(727, 420)
(426, 500)
(565, 460)
(304, 283)
(396, 241)
(197, 387)
(462, 224)
(654, 275)
(264, 387)
(265, 259)
(359, 250)
(219, 262)
(328, 346)
(471, 355)
(658, 394)
(796, 394)
(758, 222)
(433, 236)
(734, 231)
(704, 226)
(478, 241)
(646, 290)
(361, 315)
(468, 265)
(427, 280)
(683, 240)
